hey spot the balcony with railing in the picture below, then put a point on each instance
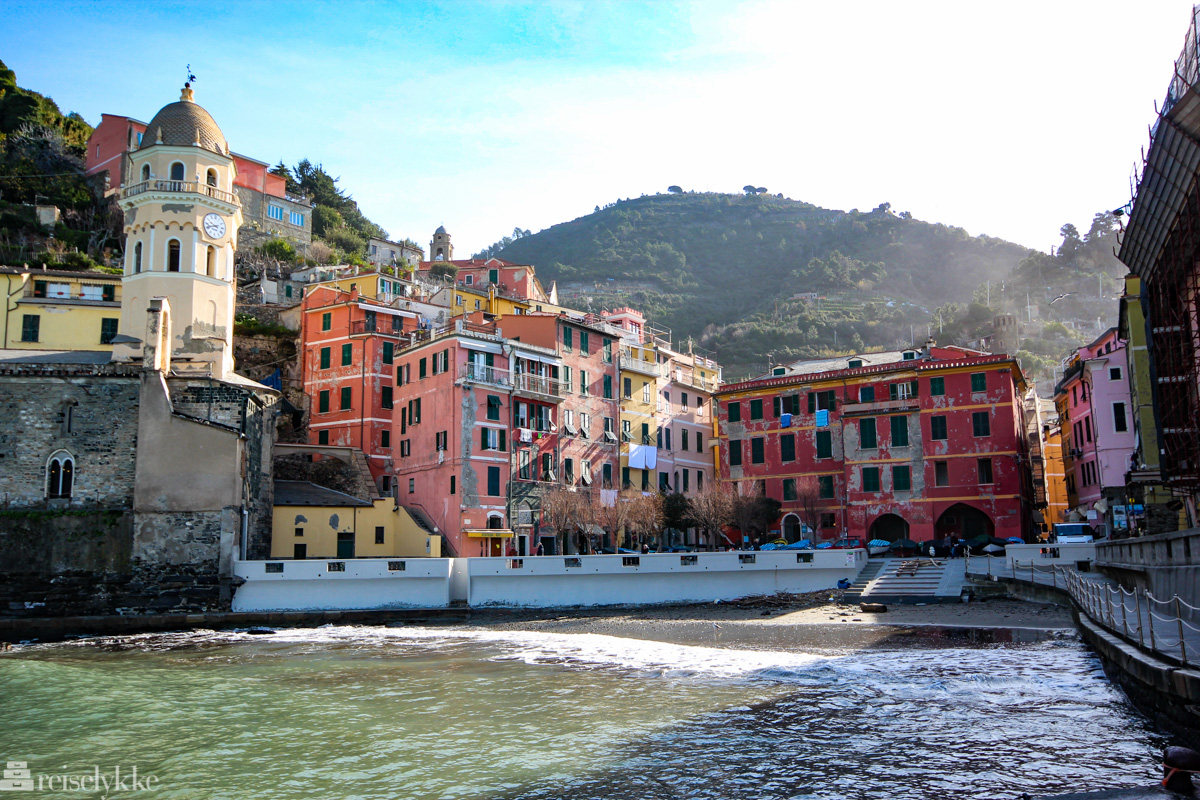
(689, 378)
(882, 406)
(633, 364)
(538, 387)
(382, 327)
(159, 185)
(97, 294)
(472, 372)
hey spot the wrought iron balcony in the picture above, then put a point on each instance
(537, 386)
(480, 373)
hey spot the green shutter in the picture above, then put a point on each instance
(388, 352)
(913, 389)
(324, 358)
(824, 444)
(937, 387)
(775, 405)
(483, 438)
(866, 433)
(347, 354)
(503, 443)
(812, 402)
(899, 431)
(323, 403)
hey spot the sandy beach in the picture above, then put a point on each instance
(810, 620)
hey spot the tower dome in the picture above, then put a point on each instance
(184, 123)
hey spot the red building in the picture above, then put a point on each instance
(511, 280)
(266, 204)
(348, 347)
(918, 444)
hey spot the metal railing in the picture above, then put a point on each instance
(87, 293)
(640, 365)
(1168, 628)
(481, 373)
(537, 384)
(180, 187)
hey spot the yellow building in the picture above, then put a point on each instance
(468, 299)
(377, 285)
(60, 310)
(1057, 503)
(311, 521)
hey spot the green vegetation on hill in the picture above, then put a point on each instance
(42, 163)
(336, 218)
(725, 269)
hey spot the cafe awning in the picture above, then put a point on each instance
(489, 533)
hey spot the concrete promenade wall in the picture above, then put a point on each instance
(549, 581)
(359, 583)
(1167, 564)
(1045, 555)
(535, 581)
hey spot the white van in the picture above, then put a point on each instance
(1071, 533)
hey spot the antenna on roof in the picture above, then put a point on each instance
(190, 78)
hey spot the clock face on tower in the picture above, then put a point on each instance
(214, 226)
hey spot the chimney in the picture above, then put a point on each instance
(156, 352)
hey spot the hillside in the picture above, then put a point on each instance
(723, 269)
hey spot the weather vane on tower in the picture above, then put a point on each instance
(191, 78)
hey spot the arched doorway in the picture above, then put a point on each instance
(792, 529)
(964, 522)
(889, 527)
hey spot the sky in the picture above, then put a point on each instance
(1006, 119)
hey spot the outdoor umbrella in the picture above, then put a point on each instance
(878, 543)
(979, 541)
(993, 548)
(904, 544)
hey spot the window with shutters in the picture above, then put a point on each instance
(787, 447)
(978, 382)
(327, 320)
(982, 423)
(824, 444)
(937, 427)
(870, 479)
(347, 396)
(867, 439)
(757, 450)
(389, 352)
(756, 409)
(735, 453)
(789, 488)
(385, 398)
(899, 431)
(937, 387)
(825, 487)
(493, 407)
(902, 479)
(822, 401)
(325, 357)
(735, 411)
(347, 354)
(902, 391)
(323, 402)
(866, 394)
(985, 470)
(583, 343)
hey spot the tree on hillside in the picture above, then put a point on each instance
(750, 189)
(672, 190)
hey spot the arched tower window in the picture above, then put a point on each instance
(173, 255)
(177, 171)
(60, 474)
(212, 183)
(137, 258)
(210, 262)
(145, 172)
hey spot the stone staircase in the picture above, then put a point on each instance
(910, 580)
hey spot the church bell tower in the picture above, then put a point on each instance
(182, 215)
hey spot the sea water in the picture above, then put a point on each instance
(416, 712)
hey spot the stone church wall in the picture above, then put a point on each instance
(101, 435)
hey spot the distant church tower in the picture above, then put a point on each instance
(440, 248)
(181, 221)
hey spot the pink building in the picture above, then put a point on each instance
(467, 400)
(1095, 393)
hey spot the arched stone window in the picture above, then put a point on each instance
(145, 172)
(137, 258)
(177, 171)
(210, 262)
(212, 183)
(173, 255)
(60, 474)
